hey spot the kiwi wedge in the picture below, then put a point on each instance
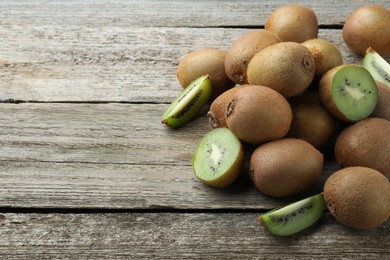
(348, 92)
(189, 103)
(294, 217)
(219, 157)
(377, 66)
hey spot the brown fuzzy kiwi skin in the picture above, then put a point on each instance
(325, 92)
(311, 121)
(368, 26)
(293, 23)
(287, 67)
(326, 56)
(365, 143)
(243, 49)
(285, 167)
(382, 108)
(257, 114)
(216, 113)
(201, 62)
(358, 197)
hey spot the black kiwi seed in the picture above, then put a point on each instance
(219, 158)
(380, 71)
(188, 108)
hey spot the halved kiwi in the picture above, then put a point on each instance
(189, 103)
(349, 92)
(377, 66)
(218, 158)
(294, 217)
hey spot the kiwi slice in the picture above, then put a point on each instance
(349, 92)
(294, 217)
(377, 66)
(189, 103)
(218, 158)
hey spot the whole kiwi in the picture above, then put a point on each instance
(365, 143)
(216, 113)
(368, 26)
(358, 197)
(285, 167)
(293, 23)
(311, 121)
(201, 62)
(243, 49)
(257, 114)
(287, 67)
(382, 108)
(326, 55)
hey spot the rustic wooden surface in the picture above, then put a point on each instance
(86, 169)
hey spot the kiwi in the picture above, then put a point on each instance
(326, 56)
(257, 114)
(348, 92)
(365, 143)
(219, 157)
(382, 108)
(285, 167)
(311, 121)
(205, 61)
(189, 103)
(216, 114)
(368, 26)
(377, 66)
(242, 51)
(358, 197)
(287, 67)
(293, 23)
(294, 217)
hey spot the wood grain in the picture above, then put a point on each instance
(178, 236)
(87, 170)
(110, 156)
(72, 52)
(136, 13)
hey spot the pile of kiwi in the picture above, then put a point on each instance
(284, 98)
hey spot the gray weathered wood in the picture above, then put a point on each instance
(203, 13)
(112, 64)
(110, 156)
(74, 51)
(116, 65)
(179, 236)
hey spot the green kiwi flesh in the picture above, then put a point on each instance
(294, 217)
(377, 66)
(218, 158)
(189, 103)
(354, 92)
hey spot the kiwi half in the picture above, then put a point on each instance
(294, 217)
(377, 66)
(218, 158)
(349, 92)
(189, 103)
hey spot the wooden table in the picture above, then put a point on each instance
(87, 169)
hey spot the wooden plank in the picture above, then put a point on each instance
(67, 186)
(122, 13)
(178, 236)
(110, 156)
(107, 64)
